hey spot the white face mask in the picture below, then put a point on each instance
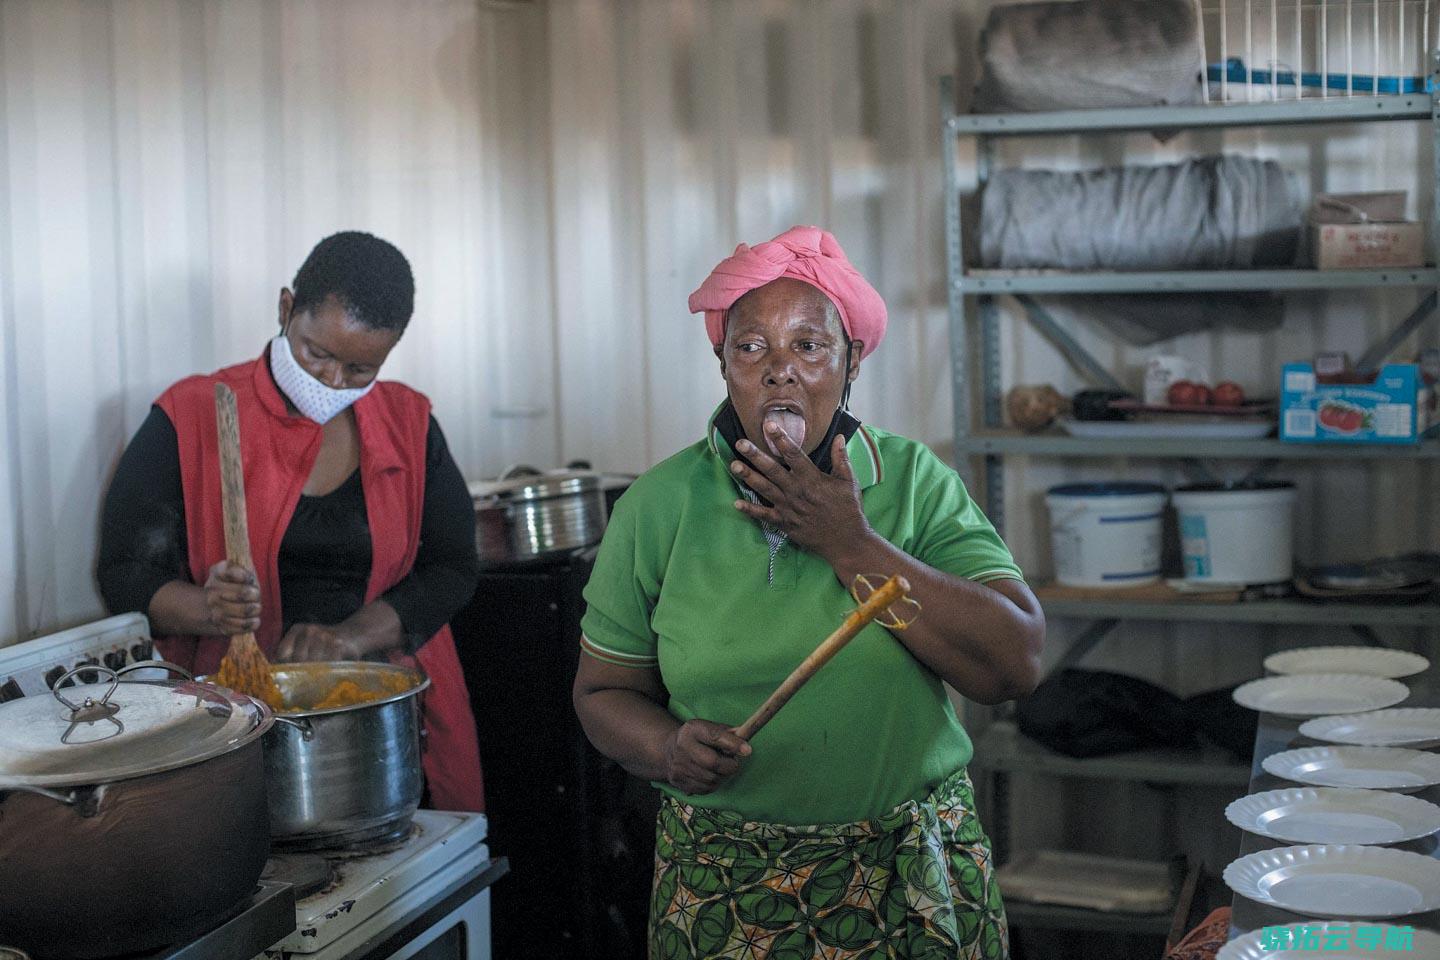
(314, 399)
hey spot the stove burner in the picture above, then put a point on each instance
(387, 838)
(308, 873)
(387, 843)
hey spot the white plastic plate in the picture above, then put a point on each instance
(1323, 880)
(1405, 727)
(1165, 430)
(1373, 661)
(1318, 694)
(1335, 938)
(1370, 768)
(1333, 815)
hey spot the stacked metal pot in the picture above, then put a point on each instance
(527, 515)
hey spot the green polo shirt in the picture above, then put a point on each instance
(685, 581)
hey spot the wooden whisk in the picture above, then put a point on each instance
(894, 590)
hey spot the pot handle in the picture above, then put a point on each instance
(85, 800)
(76, 708)
(515, 471)
(307, 732)
(156, 665)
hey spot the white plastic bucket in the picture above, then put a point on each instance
(1242, 534)
(1106, 534)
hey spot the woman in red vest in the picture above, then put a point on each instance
(361, 528)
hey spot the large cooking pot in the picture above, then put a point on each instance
(527, 515)
(346, 775)
(132, 814)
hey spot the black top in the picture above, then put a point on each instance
(325, 553)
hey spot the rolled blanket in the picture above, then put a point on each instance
(1205, 213)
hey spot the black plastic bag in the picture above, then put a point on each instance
(1090, 713)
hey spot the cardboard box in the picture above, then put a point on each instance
(1350, 231)
(1393, 408)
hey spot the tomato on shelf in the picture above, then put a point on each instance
(1185, 393)
(1228, 393)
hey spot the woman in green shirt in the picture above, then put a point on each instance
(848, 825)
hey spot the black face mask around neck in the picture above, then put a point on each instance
(727, 421)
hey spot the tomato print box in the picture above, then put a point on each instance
(1389, 409)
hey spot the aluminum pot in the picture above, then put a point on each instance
(527, 515)
(345, 775)
(132, 814)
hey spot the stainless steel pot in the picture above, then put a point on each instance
(527, 515)
(132, 814)
(346, 775)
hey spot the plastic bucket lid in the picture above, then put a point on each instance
(1252, 486)
(1220, 496)
(1117, 489)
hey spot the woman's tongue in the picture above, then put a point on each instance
(792, 423)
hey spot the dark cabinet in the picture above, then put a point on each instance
(578, 830)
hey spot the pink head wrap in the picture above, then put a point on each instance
(804, 253)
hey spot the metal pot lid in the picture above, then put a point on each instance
(116, 730)
(561, 483)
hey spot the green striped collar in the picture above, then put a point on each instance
(863, 450)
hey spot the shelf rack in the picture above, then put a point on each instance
(1000, 748)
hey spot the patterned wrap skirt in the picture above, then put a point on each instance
(914, 884)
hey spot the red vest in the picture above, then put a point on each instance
(279, 451)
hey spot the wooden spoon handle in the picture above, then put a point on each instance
(232, 484)
(893, 590)
(232, 478)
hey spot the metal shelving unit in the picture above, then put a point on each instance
(979, 282)
(1049, 916)
(997, 443)
(1000, 749)
(1413, 106)
(1014, 753)
(1258, 611)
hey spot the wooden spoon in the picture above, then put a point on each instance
(892, 591)
(244, 668)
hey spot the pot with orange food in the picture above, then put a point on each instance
(342, 762)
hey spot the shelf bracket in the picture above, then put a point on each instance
(1258, 472)
(1375, 356)
(1083, 644)
(1367, 634)
(1068, 345)
(1197, 471)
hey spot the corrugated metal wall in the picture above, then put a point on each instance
(562, 175)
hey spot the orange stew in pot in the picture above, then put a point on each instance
(348, 693)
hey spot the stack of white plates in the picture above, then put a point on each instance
(1335, 939)
(1318, 694)
(1331, 815)
(1353, 803)
(1338, 880)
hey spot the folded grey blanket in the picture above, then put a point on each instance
(1204, 213)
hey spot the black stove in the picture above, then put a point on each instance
(262, 921)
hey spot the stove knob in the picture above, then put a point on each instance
(88, 676)
(141, 651)
(115, 659)
(55, 673)
(10, 691)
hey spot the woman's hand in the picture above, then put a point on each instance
(701, 755)
(819, 512)
(315, 641)
(232, 598)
